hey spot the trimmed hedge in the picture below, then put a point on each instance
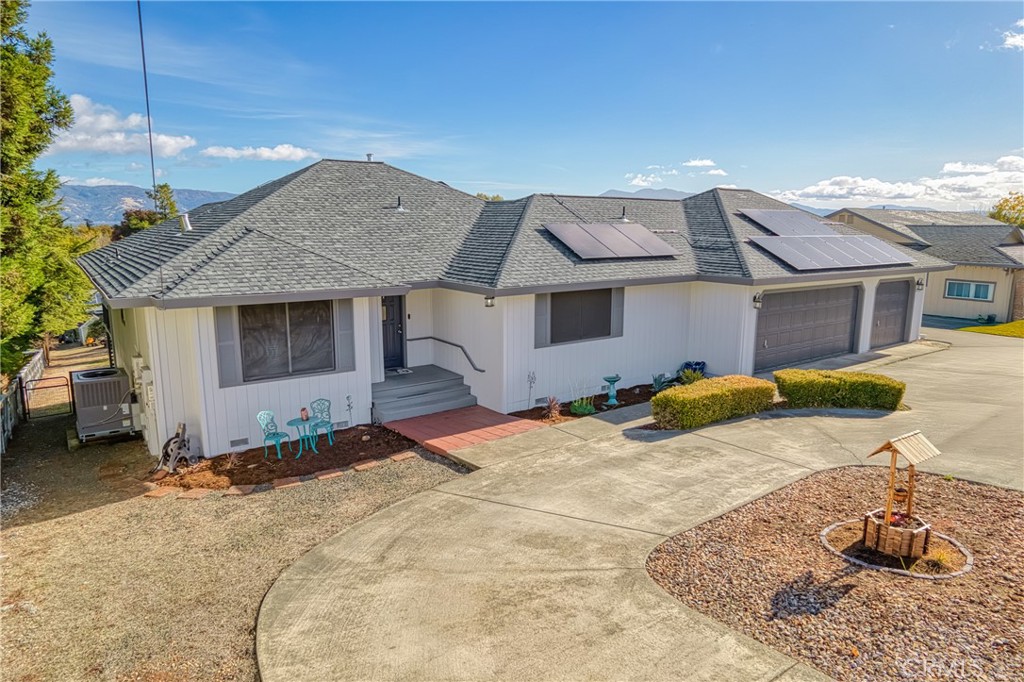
(711, 400)
(825, 388)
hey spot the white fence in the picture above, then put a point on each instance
(12, 400)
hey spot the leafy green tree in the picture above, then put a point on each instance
(42, 290)
(136, 219)
(163, 199)
(489, 197)
(1009, 209)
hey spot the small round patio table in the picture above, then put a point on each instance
(305, 437)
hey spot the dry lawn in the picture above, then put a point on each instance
(159, 589)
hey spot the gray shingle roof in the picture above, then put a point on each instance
(904, 221)
(332, 223)
(969, 244)
(334, 227)
(763, 265)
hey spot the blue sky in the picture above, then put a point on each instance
(827, 104)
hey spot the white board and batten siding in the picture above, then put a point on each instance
(463, 318)
(189, 384)
(653, 340)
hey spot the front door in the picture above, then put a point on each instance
(392, 313)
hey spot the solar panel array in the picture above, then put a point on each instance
(836, 251)
(592, 241)
(808, 244)
(787, 223)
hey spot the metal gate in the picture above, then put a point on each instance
(47, 397)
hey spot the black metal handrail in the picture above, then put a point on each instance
(451, 343)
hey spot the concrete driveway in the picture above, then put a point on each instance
(534, 566)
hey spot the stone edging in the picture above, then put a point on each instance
(276, 484)
(823, 536)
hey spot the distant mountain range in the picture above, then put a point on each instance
(665, 193)
(662, 193)
(106, 203)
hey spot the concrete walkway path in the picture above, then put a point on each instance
(534, 566)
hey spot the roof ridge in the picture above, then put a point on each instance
(512, 238)
(421, 177)
(732, 234)
(226, 242)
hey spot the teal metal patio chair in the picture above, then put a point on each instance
(321, 408)
(271, 434)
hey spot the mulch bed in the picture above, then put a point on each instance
(634, 395)
(762, 569)
(252, 468)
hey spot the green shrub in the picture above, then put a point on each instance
(690, 376)
(581, 407)
(711, 400)
(824, 388)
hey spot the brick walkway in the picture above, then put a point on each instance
(443, 432)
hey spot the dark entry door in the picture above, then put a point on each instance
(392, 313)
(892, 302)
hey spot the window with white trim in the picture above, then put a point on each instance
(971, 291)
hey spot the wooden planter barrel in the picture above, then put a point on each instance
(911, 543)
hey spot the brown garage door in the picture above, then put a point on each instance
(892, 302)
(798, 326)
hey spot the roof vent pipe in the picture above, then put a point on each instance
(184, 223)
(623, 219)
(399, 208)
(369, 157)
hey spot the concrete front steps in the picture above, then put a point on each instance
(428, 389)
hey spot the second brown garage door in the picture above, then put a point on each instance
(798, 326)
(892, 300)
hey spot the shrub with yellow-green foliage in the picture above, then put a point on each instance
(825, 388)
(710, 401)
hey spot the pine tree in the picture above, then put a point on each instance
(42, 290)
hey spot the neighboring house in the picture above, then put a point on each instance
(988, 254)
(325, 282)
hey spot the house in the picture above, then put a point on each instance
(989, 256)
(337, 279)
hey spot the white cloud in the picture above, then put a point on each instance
(99, 182)
(961, 167)
(281, 152)
(726, 186)
(699, 162)
(1013, 40)
(641, 180)
(959, 184)
(101, 129)
(716, 171)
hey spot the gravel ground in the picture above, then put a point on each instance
(169, 589)
(762, 570)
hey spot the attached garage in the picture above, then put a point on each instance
(892, 303)
(799, 326)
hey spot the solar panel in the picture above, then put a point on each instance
(787, 223)
(646, 239)
(592, 241)
(832, 252)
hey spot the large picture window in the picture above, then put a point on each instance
(973, 291)
(281, 340)
(570, 316)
